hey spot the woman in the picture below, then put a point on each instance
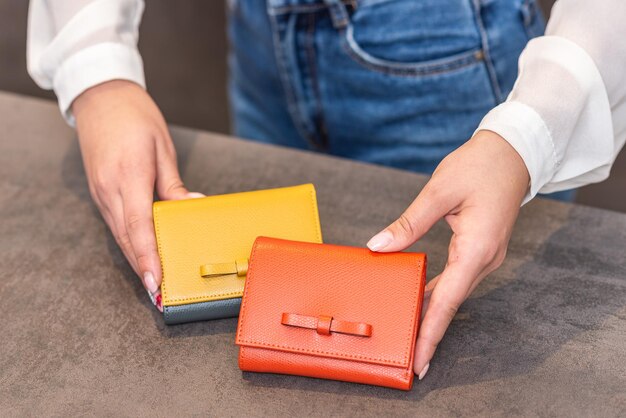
(397, 82)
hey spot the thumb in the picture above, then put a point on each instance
(416, 220)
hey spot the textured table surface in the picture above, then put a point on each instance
(544, 335)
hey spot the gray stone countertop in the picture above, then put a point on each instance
(544, 335)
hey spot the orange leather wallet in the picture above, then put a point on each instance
(331, 312)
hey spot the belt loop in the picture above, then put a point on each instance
(338, 13)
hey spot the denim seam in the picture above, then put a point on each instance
(491, 70)
(338, 13)
(291, 98)
(529, 17)
(318, 117)
(301, 8)
(411, 70)
(306, 8)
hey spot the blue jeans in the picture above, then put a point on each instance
(400, 83)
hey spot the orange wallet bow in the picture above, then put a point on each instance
(331, 312)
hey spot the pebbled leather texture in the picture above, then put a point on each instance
(203, 311)
(325, 324)
(296, 290)
(216, 233)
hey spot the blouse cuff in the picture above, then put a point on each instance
(92, 66)
(523, 128)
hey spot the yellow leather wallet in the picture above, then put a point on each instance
(204, 245)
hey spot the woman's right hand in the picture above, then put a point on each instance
(128, 153)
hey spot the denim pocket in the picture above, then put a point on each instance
(413, 38)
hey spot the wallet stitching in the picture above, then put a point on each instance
(314, 211)
(241, 357)
(214, 296)
(340, 355)
(417, 310)
(414, 314)
(160, 248)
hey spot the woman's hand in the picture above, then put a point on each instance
(478, 190)
(127, 152)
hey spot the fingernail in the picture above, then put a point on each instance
(158, 303)
(380, 241)
(423, 372)
(151, 296)
(149, 283)
(194, 195)
(156, 300)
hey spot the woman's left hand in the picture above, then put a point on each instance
(478, 190)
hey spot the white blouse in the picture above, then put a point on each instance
(566, 115)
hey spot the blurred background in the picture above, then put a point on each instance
(184, 46)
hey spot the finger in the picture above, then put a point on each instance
(450, 291)
(420, 216)
(169, 185)
(114, 218)
(137, 201)
(430, 286)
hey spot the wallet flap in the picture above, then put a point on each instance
(332, 301)
(204, 243)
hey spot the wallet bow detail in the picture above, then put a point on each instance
(324, 324)
(239, 267)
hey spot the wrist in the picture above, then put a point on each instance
(101, 93)
(502, 156)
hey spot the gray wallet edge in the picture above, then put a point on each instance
(203, 311)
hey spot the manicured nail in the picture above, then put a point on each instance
(149, 283)
(423, 372)
(380, 241)
(194, 195)
(151, 296)
(156, 300)
(158, 303)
